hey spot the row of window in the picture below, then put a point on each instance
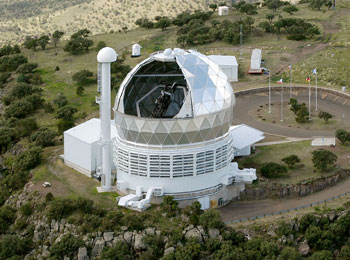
(179, 165)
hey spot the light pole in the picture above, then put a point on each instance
(269, 91)
(309, 98)
(290, 81)
(281, 103)
(315, 71)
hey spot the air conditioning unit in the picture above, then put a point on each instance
(158, 192)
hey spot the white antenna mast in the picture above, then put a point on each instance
(105, 57)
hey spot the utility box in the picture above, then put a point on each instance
(223, 10)
(136, 50)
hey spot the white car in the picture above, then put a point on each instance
(46, 184)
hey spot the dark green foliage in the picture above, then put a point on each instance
(60, 100)
(79, 42)
(19, 109)
(63, 207)
(66, 112)
(4, 77)
(246, 8)
(56, 36)
(120, 251)
(26, 209)
(300, 110)
(43, 41)
(306, 221)
(64, 124)
(273, 170)
(119, 72)
(113, 220)
(44, 137)
(27, 68)
(100, 45)
(213, 7)
(29, 159)
(134, 221)
(325, 116)
(7, 218)
(322, 255)
(8, 64)
(266, 26)
(67, 246)
(155, 247)
(211, 219)
(344, 253)
(84, 78)
(9, 49)
(145, 23)
(193, 212)
(291, 160)
(163, 23)
(31, 43)
(6, 138)
(313, 234)
(323, 159)
(49, 197)
(290, 9)
(170, 206)
(289, 253)
(14, 247)
(20, 90)
(343, 136)
(191, 250)
(24, 127)
(317, 4)
(273, 4)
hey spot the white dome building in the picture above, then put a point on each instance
(173, 115)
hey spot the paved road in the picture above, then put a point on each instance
(244, 209)
(247, 103)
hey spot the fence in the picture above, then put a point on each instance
(287, 210)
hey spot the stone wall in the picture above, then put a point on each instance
(278, 191)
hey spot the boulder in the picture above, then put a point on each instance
(139, 244)
(128, 237)
(194, 233)
(150, 231)
(213, 233)
(304, 248)
(97, 249)
(82, 254)
(108, 236)
(169, 250)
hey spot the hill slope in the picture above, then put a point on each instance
(20, 18)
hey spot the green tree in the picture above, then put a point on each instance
(43, 41)
(56, 36)
(120, 251)
(79, 42)
(270, 17)
(67, 246)
(31, 43)
(317, 4)
(273, 170)
(13, 247)
(28, 159)
(289, 253)
(100, 45)
(66, 112)
(273, 4)
(19, 109)
(211, 219)
(322, 255)
(302, 115)
(344, 253)
(291, 160)
(6, 138)
(313, 234)
(325, 116)
(249, 9)
(60, 100)
(84, 78)
(27, 68)
(213, 7)
(290, 9)
(342, 135)
(323, 159)
(170, 206)
(7, 218)
(44, 137)
(163, 23)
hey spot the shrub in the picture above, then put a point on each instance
(14, 247)
(67, 246)
(84, 78)
(120, 250)
(19, 109)
(290, 9)
(169, 206)
(44, 137)
(343, 136)
(27, 68)
(100, 45)
(29, 159)
(325, 116)
(6, 138)
(7, 218)
(323, 159)
(8, 64)
(66, 113)
(26, 209)
(211, 219)
(60, 100)
(25, 127)
(273, 170)
(291, 160)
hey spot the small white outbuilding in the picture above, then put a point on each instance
(81, 146)
(223, 10)
(255, 61)
(245, 138)
(136, 50)
(228, 64)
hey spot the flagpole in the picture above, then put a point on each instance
(316, 90)
(269, 92)
(281, 103)
(290, 81)
(309, 98)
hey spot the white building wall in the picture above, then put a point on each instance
(77, 154)
(223, 10)
(231, 72)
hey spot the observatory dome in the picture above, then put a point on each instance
(174, 97)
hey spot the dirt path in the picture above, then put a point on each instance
(245, 209)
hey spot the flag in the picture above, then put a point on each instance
(290, 66)
(314, 71)
(308, 79)
(280, 81)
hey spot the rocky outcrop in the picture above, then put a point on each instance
(266, 191)
(304, 248)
